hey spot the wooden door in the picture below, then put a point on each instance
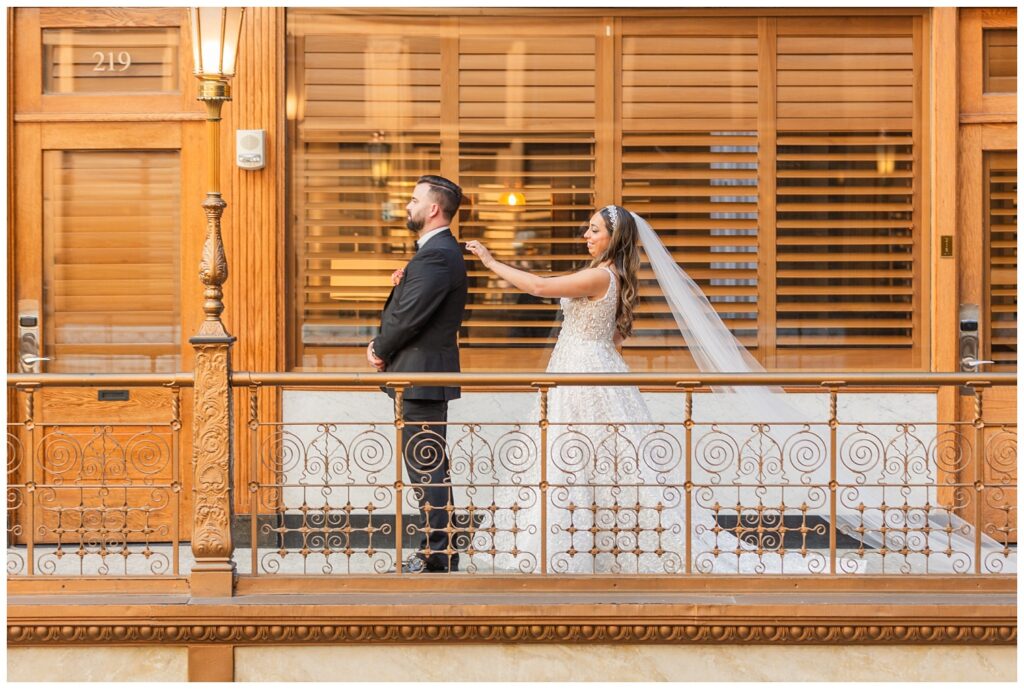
(106, 186)
(99, 276)
(987, 250)
(988, 281)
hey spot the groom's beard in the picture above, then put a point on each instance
(415, 224)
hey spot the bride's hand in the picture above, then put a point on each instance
(480, 251)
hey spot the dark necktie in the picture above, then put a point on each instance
(415, 246)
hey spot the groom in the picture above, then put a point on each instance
(419, 332)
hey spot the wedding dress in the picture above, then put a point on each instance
(615, 499)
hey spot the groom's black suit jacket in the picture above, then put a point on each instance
(420, 323)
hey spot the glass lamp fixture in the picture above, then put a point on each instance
(216, 32)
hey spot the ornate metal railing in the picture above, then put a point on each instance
(697, 489)
(94, 494)
(692, 491)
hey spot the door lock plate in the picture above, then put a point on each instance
(28, 336)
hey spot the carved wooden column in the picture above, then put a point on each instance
(212, 451)
(212, 433)
(215, 34)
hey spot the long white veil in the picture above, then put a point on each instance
(715, 349)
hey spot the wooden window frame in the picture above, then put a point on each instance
(29, 24)
(977, 106)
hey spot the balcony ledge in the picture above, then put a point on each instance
(433, 611)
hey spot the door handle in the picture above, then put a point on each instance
(971, 362)
(30, 360)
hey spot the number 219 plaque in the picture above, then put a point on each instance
(96, 61)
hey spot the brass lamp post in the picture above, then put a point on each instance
(215, 36)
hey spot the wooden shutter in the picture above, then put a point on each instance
(366, 123)
(848, 230)
(699, 191)
(529, 198)
(689, 163)
(1000, 60)
(689, 75)
(527, 163)
(526, 76)
(845, 259)
(1001, 278)
(111, 261)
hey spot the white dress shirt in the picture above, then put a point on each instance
(426, 238)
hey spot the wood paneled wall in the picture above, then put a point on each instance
(12, 360)
(253, 224)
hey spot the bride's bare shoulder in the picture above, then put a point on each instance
(610, 265)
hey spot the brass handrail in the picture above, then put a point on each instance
(526, 380)
(76, 380)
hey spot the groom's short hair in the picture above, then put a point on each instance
(446, 193)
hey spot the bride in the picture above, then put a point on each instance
(615, 500)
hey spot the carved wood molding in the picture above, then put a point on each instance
(1001, 632)
(212, 453)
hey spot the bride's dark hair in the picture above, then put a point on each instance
(624, 252)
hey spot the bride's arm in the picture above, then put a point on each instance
(591, 282)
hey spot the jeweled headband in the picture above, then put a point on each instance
(614, 212)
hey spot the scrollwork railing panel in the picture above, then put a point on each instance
(93, 500)
(758, 497)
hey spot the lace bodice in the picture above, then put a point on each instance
(588, 319)
(585, 341)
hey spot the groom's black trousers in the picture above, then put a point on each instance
(426, 459)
